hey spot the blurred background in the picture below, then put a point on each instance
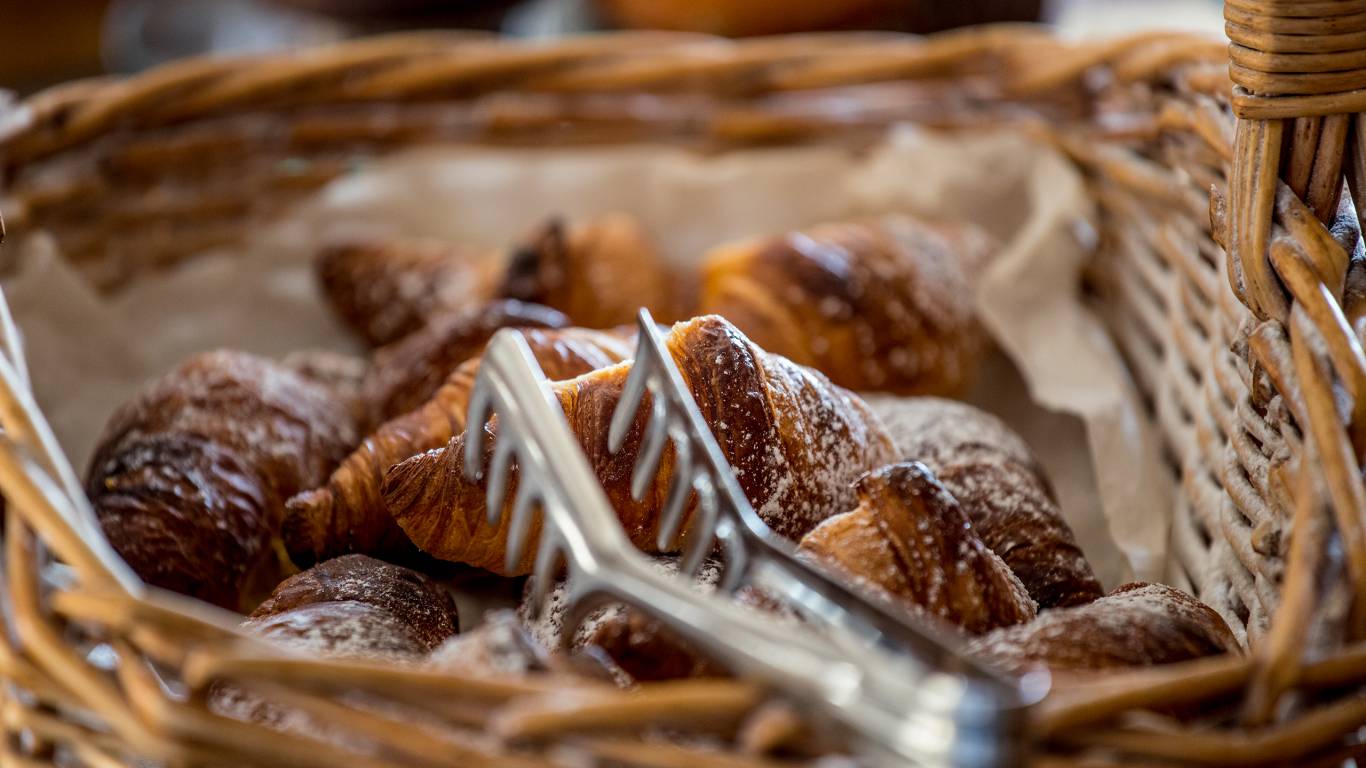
(42, 43)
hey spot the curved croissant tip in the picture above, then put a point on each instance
(397, 478)
(302, 527)
(905, 478)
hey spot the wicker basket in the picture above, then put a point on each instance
(1253, 364)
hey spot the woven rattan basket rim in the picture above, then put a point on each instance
(434, 66)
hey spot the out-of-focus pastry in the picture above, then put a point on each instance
(877, 305)
(387, 289)
(190, 479)
(1136, 625)
(600, 272)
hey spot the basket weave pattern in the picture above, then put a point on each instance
(1251, 361)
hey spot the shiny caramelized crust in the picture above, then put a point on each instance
(878, 305)
(417, 602)
(388, 289)
(599, 272)
(909, 539)
(190, 478)
(795, 440)
(1136, 625)
(348, 515)
(1001, 487)
(409, 372)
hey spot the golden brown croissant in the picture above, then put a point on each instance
(795, 440)
(878, 305)
(408, 372)
(1001, 487)
(348, 514)
(190, 478)
(386, 290)
(357, 605)
(600, 272)
(909, 539)
(1136, 625)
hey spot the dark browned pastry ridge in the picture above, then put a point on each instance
(190, 478)
(1136, 625)
(388, 289)
(352, 607)
(347, 514)
(795, 440)
(407, 373)
(877, 305)
(1001, 487)
(339, 592)
(600, 272)
(909, 539)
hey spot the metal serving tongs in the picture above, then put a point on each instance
(897, 709)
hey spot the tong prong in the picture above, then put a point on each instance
(632, 393)
(680, 486)
(671, 522)
(546, 568)
(497, 475)
(734, 556)
(519, 525)
(699, 546)
(651, 447)
(481, 403)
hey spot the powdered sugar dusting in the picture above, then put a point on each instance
(1136, 625)
(991, 472)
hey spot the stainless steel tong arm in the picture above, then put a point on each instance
(897, 711)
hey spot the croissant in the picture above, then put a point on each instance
(879, 305)
(353, 607)
(405, 374)
(1136, 625)
(599, 272)
(795, 440)
(909, 539)
(356, 605)
(1001, 487)
(385, 290)
(348, 515)
(190, 478)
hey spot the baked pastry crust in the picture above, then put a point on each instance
(1002, 488)
(190, 479)
(347, 514)
(795, 440)
(877, 305)
(1135, 625)
(909, 540)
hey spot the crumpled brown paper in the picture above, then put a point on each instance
(1066, 390)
